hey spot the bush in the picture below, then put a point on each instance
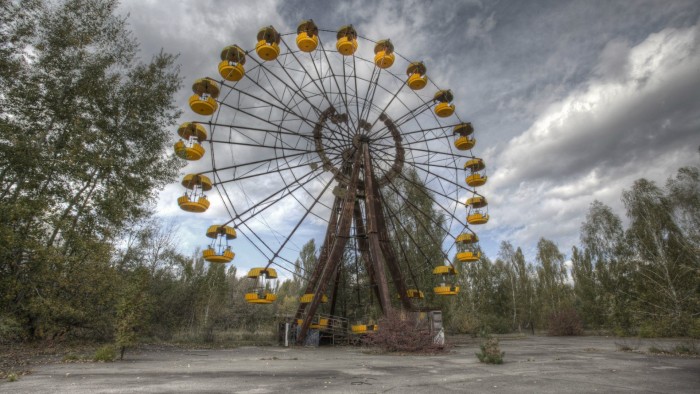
(10, 330)
(490, 351)
(105, 353)
(398, 335)
(12, 377)
(565, 322)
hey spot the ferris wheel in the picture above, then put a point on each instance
(325, 131)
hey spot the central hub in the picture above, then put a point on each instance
(389, 154)
(360, 138)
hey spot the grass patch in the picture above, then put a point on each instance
(106, 353)
(681, 349)
(655, 350)
(12, 377)
(72, 357)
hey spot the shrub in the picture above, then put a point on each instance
(10, 330)
(12, 377)
(490, 351)
(105, 353)
(655, 350)
(565, 322)
(688, 349)
(402, 335)
(71, 357)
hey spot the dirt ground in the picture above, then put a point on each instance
(532, 365)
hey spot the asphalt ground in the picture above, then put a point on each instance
(532, 365)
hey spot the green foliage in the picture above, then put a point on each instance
(11, 330)
(83, 130)
(12, 377)
(105, 353)
(490, 351)
(131, 309)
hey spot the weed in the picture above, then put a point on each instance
(688, 349)
(12, 377)
(71, 357)
(105, 353)
(490, 351)
(655, 350)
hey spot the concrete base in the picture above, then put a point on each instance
(532, 365)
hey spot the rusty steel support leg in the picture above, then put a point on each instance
(337, 248)
(375, 249)
(323, 255)
(336, 284)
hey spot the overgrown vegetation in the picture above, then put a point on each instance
(490, 351)
(565, 322)
(398, 334)
(105, 353)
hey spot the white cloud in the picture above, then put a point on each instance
(637, 117)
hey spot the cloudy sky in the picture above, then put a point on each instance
(572, 100)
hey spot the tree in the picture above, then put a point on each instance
(602, 270)
(665, 261)
(83, 131)
(132, 308)
(552, 289)
(519, 284)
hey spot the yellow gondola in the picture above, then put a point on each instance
(475, 164)
(478, 218)
(193, 181)
(231, 65)
(210, 254)
(444, 109)
(464, 142)
(269, 273)
(260, 293)
(219, 251)
(319, 323)
(446, 290)
(188, 151)
(468, 256)
(194, 130)
(476, 180)
(307, 298)
(194, 200)
(416, 76)
(268, 43)
(444, 270)
(467, 238)
(203, 101)
(384, 54)
(307, 36)
(197, 205)
(189, 147)
(347, 40)
(477, 202)
(364, 328)
(260, 298)
(413, 293)
(225, 231)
